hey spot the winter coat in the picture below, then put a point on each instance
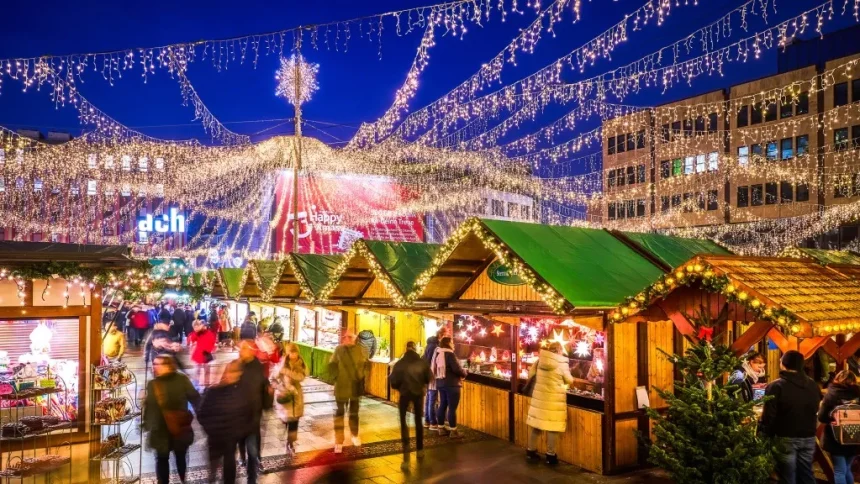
(548, 407)
(113, 345)
(410, 375)
(121, 319)
(454, 373)
(276, 329)
(744, 384)
(178, 321)
(164, 315)
(432, 344)
(221, 411)
(346, 367)
(248, 330)
(793, 409)
(140, 320)
(837, 395)
(204, 341)
(290, 377)
(255, 387)
(159, 342)
(189, 321)
(177, 392)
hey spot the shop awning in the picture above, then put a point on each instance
(670, 251)
(403, 262)
(15, 253)
(314, 271)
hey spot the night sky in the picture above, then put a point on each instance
(355, 86)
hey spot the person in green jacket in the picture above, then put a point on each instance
(347, 368)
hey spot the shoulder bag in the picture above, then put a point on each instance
(178, 421)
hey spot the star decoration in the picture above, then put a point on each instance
(483, 332)
(558, 337)
(583, 349)
(497, 330)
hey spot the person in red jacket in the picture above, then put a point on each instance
(139, 325)
(202, 344)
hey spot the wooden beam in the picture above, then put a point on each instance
(685, 327)
(832, 349)
(849, 348)
(809, 346)
(780, 340)
(753, 335)
(20, 312)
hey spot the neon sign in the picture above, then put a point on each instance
(172, 222)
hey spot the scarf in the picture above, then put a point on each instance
(751, 374)
(439, 367)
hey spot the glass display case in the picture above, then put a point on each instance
(307, 319)
(329, 328)
(483, 347)
(584, 346)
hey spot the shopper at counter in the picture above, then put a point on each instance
(842, 390)
(430, 420)
(548, 406)
(748, 375)
(791, 414)
(449, 381)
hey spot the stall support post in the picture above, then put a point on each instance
(391, 340)
(316, 327)
(515, 375)
(609, 400)
(90, 350)
(642, 380)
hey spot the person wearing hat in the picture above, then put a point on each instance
(792, 414)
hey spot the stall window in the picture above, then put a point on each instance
(770, 193)
(743, 196)
(483, 346)
(802, 106)
(802, 192)
(665, 169)
(786, 148)
(840, 94)
(743, 117)
(802, 144)
(664, 203)
(713, 200)
(621, 143)
(610, 145)
(786, 192)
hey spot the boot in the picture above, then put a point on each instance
(551, 459)
(444, 432)
(455, 434)
(532, 455)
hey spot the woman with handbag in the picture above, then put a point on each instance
(449, 377)
(843, 390)
(202, 343)
(289, 396)
(166, 416)
(548, 406)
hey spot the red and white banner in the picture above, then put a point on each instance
(337, 210)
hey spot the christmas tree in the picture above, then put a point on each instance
(708, 433)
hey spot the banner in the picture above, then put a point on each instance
(334, 211)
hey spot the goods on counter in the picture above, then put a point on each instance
(110, 410)
(29, 466)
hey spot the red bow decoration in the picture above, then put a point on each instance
(705, 333)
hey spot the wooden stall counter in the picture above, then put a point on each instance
(376, 382)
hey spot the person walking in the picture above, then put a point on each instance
(843, 389)
(166, 417)
(113, 344)
(347, 368)
(747, 375)
(190, 317)
(410, 376)
(430, 420)
(289, 396)
(178, 327)
(160, 342)
(449, 376)
(202, 344)
(139, 325)
(248, 330)
(224, 412)
(548, 406)
(791, 414)
(256, 388)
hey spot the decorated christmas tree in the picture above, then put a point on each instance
(708, 433)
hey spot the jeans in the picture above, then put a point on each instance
(551, 440)
(842, 469)
(430, 408)
(417, 402)
(449, 400)
(796, 466)
(353, 419)
(250, 447)
(162, 465)
(227, 453)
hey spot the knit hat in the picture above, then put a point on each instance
(792, 360)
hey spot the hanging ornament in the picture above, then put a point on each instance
(497, 330)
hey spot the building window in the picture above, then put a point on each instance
(756, 114)
(677, 167)
(2, 185)
(855, 136)
(700, 202)
(620, 178)
(743, 117)
(757, 195)
(713, 161)
(713, 200)
(803, 192)
(840, 94)
(91, 187)
(610, 178)
(640, 207)
(92, 161)
(640, 174)
(757, 152)
(786, 149)
(498, 208)
(126, 163)
(143, 164)
(772, 151)
(2, 156)
(770, 193)
(786, 108)
(640, 139)
(664, 203)
(631, 208)
(611, 211)
(676, 130)
(109, 162)
(855, 91)
(802, 143)
(688, 128)
(743, 155)
(513, 210)
(631, 142)
(842, 186)
(620, 143)
(712, 123)
(700, 163)
(840, 139)
(37, 185)
(159, 164)
(770, 111)
(786, 192)
(631, 175)
(802, 105)
(676, 201)
(700, 125)
(665, 169)
(664, 132)
(688, 202)
(689, 163)
(610, 147)
(526, 212)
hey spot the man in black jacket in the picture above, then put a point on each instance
(177, 330)
(410, 376)
(792, 415)
(221, 413)
(255, 386)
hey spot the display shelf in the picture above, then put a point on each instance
(29, 393)
(23, 474)
(116, 382)
(119, 453)
(37, 433)
(123, 420)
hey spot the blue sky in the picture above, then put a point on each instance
(355, 86)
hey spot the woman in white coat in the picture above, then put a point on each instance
(548, 407)
(289, 396)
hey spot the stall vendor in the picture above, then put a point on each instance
(748, 376)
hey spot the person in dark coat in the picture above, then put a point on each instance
(449, 376)
(248, 330)
(276, 329)
(748, 375)
(164, 315)
(842, 390)
(160, 343)
(257, 390)
(410, 376)
(792, 415)
(222, 407)
(171, 391)
(178, 327)
(430, 420)
(189, 320)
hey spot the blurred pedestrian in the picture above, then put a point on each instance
(267, 352)
(548, 407)
(139, 325)
(842, 391)
(449, 376)
(347, 368)
(276, 329)
(289, 396)
(256, 388)
(430, 420)
(190, 317)
(202, 343)
(410, 376)
(248, 330)
(160, 343)
(222, 414)
(113, 344)
(178, 326)
(166, 417)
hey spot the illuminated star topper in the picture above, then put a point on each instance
(297, 79)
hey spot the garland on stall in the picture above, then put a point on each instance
(698, 271)
(233, 281)
(267, 288)
(300, 277)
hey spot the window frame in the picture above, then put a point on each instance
(782, 149)
(757, 189)
(840, 90)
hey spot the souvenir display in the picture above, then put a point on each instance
(483, 346)
(112, 376)
(111, 410)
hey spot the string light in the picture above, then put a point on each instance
(297, 79)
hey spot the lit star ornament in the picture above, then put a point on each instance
(583, 349)
(293, 69)
(497, 330)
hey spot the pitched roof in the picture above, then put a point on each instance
(403, 262)
(672, 251)
(823, 256)
(315, 270)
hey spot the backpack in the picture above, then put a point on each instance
(846, 423)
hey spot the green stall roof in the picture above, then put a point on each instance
(832, 256)
(674, 251)
(589, 267)
(317, 269)
(403, 261)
